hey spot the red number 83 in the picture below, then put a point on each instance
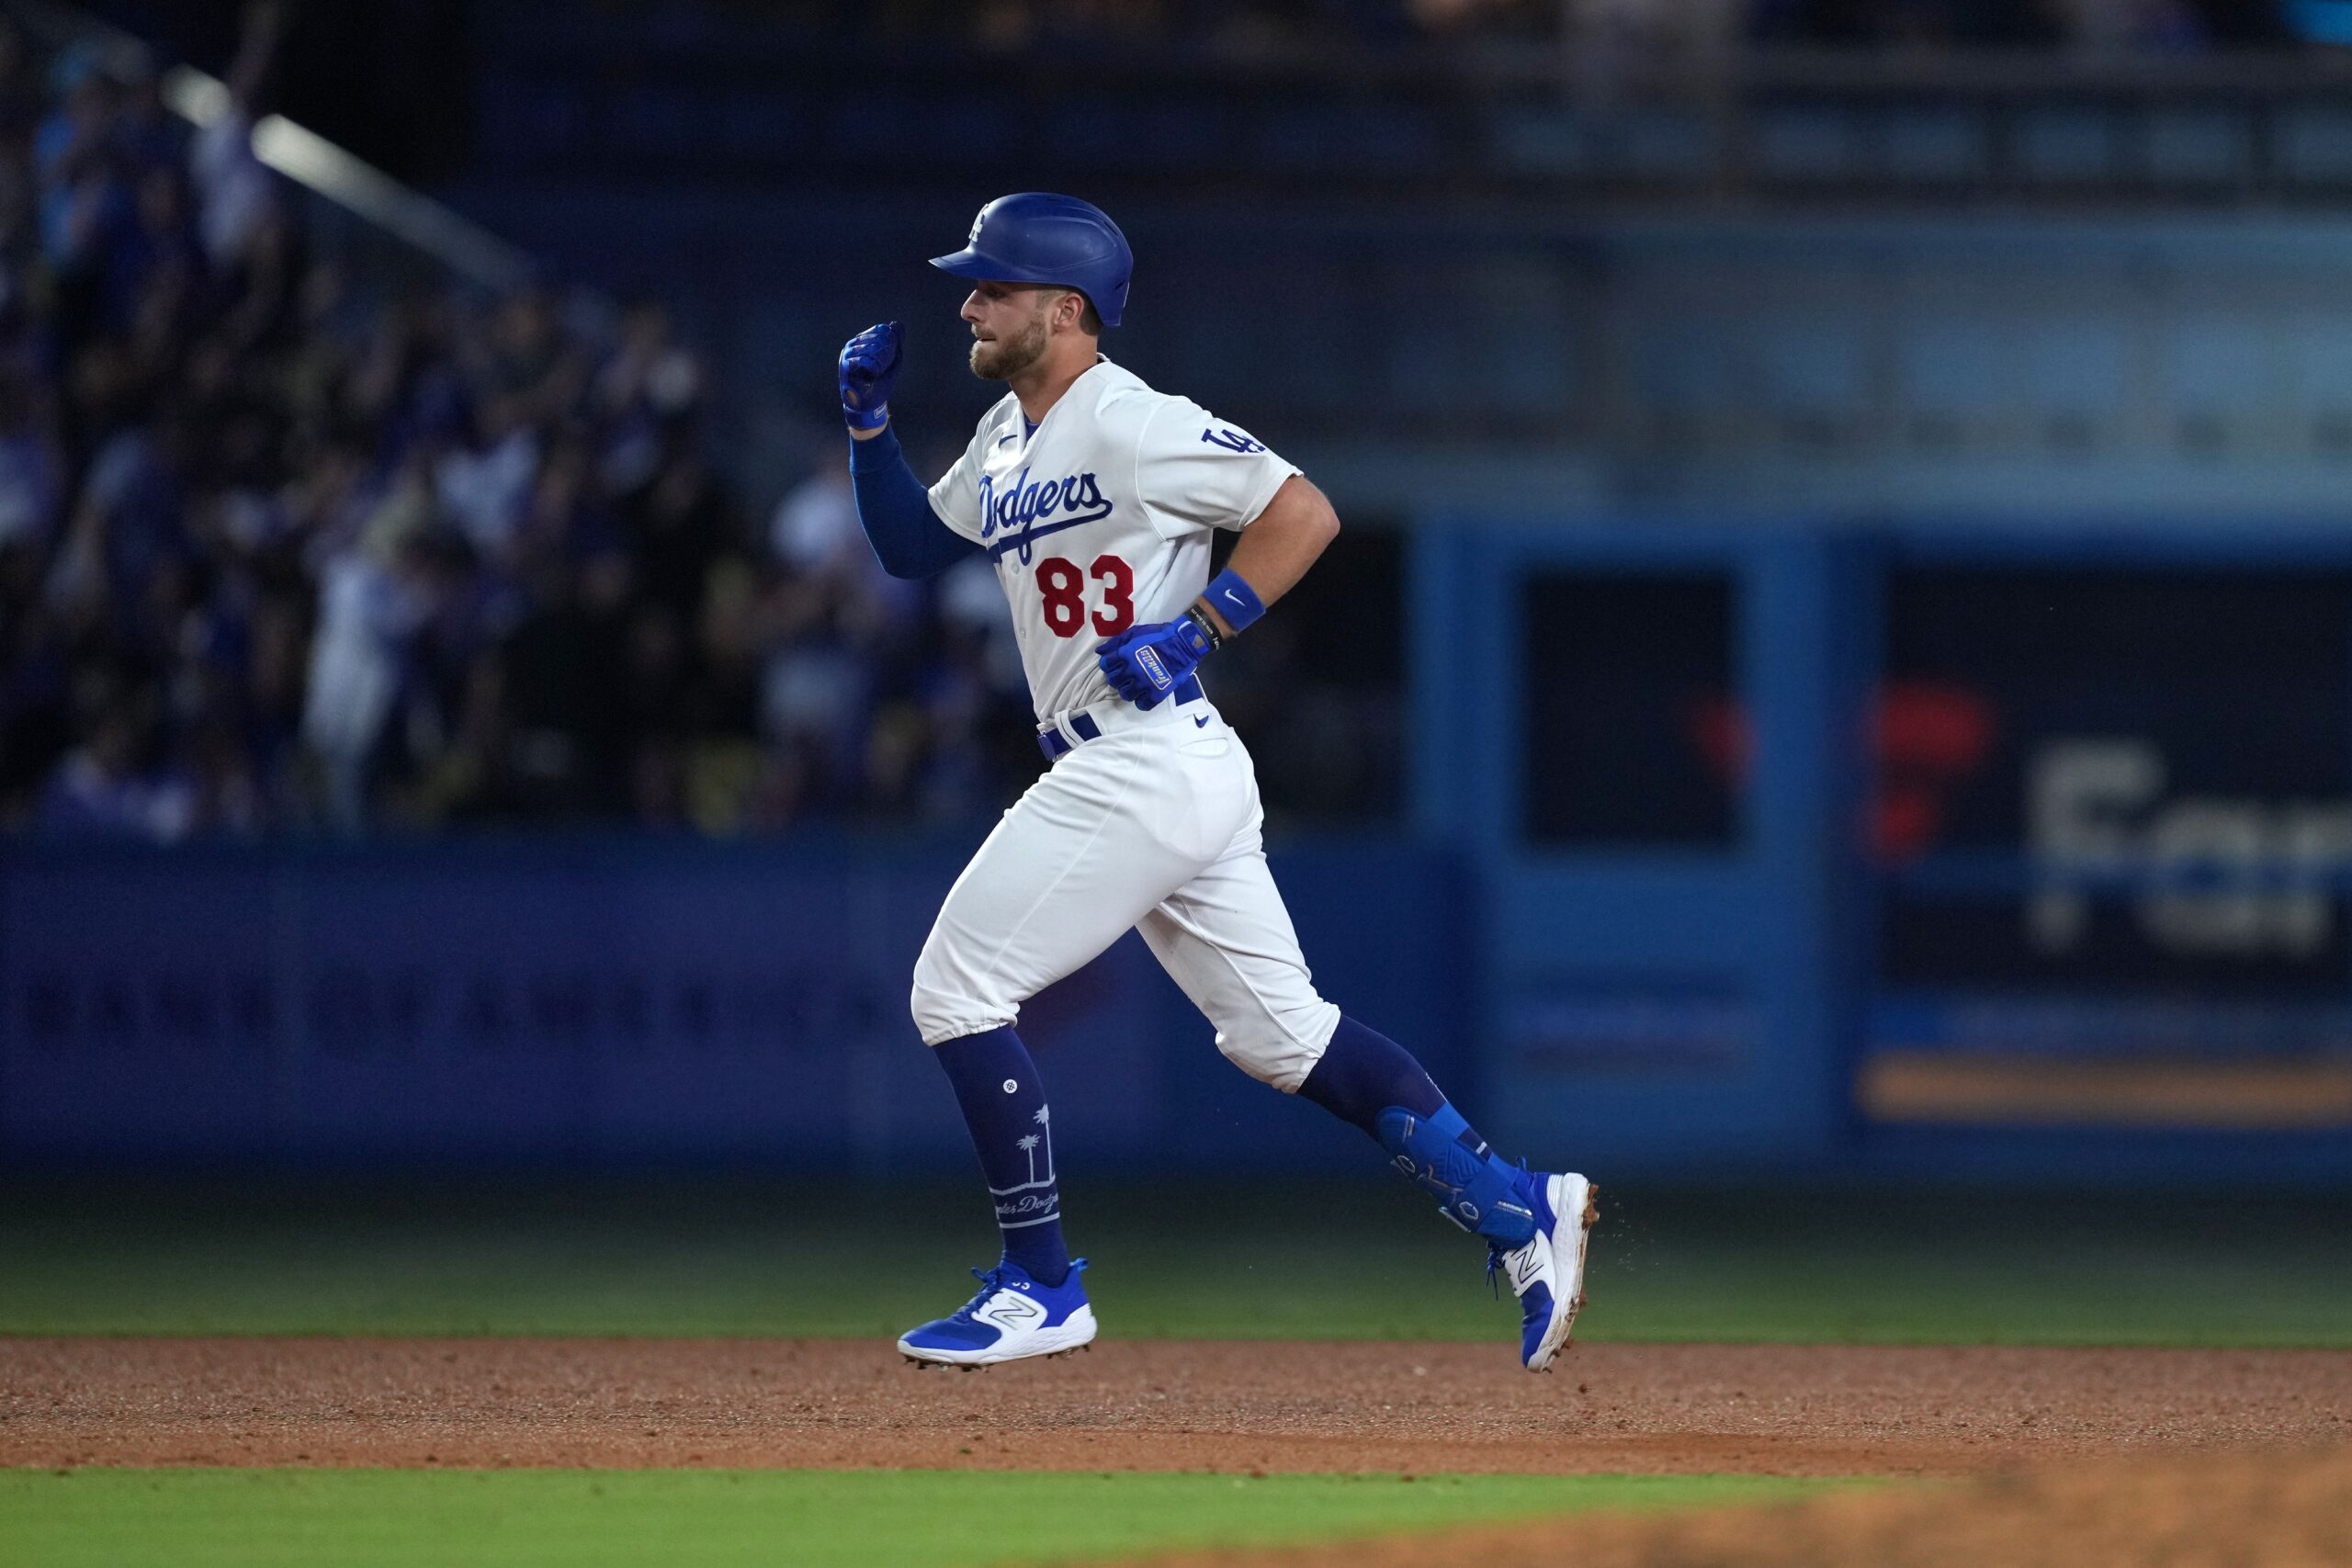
(1063, 587)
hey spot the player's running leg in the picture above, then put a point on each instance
(1083, 855)
(1225, 937)
(1031, 1302)
(1536, 1224)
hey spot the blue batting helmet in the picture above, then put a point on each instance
(1059, 240)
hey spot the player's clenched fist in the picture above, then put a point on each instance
(1144, 663)
(869, 367)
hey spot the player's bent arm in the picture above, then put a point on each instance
(894, 509)
(1145, 664)
(1277, 547)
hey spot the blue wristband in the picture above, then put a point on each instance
(1234, 600)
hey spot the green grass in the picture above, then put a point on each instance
(1181, 1259)
(356, 1518)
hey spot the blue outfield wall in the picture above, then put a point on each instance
(1934, 851)
(1941, 850)
(623, 1001)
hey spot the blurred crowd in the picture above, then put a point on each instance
(2150, 25)
(280, 551)
(2143, 25)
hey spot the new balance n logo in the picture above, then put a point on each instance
(1010, 1310)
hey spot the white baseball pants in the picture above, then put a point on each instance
(1156, 825)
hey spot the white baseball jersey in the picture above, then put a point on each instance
(1097, 520)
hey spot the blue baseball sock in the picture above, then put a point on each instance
(1369, 1080)
(1004, 1106)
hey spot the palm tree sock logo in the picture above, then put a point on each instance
(1037, 1200)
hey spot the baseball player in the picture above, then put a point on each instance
(1093, 497)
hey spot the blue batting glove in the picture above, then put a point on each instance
(869, 369)
(1145, 663)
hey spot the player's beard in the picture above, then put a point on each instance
(1006, 358)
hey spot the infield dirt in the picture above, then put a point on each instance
(1215, 1405)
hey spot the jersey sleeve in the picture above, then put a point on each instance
(956, 496)
(1196, 471)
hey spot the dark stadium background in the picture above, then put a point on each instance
(1835, 666)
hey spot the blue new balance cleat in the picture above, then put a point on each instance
(1547, 1273)
(1013, 1316)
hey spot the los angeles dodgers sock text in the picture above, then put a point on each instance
(1004, 1106)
